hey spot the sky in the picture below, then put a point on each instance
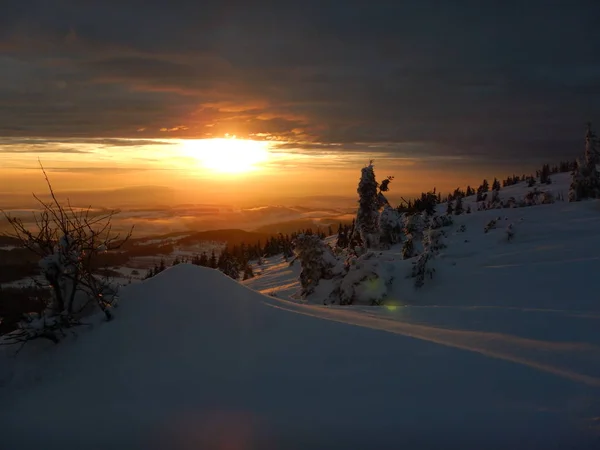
(107, 93)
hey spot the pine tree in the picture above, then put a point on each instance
(585, 178)
(390, 225)
(485, 186)
(458, 207)
(367, 217)
(203, 259)
(316, 259)
(449, 208)
(496, 185)
(212, 262)
(248, 273)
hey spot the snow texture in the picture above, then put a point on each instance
(501, 350)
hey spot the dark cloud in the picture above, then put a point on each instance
(502, 80)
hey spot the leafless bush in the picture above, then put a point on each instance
(67, 240)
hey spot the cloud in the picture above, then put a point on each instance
(457, 78)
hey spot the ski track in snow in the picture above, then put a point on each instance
(495, 345)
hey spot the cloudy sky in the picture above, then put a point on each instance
(459, 89)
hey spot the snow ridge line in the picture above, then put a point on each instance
(464, 340)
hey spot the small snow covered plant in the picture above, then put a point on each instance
(317, 261)
(490, 226)
(67, 240)
(510, 232)
(390, 224)
(366, 282)
(432, 244)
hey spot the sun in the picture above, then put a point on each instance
(227, 155)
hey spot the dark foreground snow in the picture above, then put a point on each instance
(196, 361)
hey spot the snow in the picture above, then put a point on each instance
(500, 349)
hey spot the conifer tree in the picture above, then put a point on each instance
(585, 178)
(458, 207)
(367, 217)
(212, 262)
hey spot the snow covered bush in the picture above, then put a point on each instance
(432, 244)
(546, 198)
(421, 269)
(441, 221)
(68, 242)
(413, 224)
(432, 240)
(510, 232)
(408, 248)
(366, 281)
(390, 225)
(490, 226)
(317, 260)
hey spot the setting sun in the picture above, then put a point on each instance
(227, 155)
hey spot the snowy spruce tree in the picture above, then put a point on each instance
(390, 225)
(422, 267)
(371, 200)
(458, 207)
(585, 178)
(317, 261)
(366, 281)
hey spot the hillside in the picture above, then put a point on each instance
(500, 349)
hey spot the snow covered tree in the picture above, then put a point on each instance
(203, 261)
(342, 237)
(366, 281)
(432, 244)
(591, 146)
(495, 197)
(317, 261)
(458, 207)
(390, 225)
(370, 201)
(408, 248)
(248, 272)
(585, 178)
(69, 243)
(496, 185)
(545, 174)
(212, 262)
(449, 208)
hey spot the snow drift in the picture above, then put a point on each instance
(195, 360)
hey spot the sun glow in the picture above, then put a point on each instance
(227, 155)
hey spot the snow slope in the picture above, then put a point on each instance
(500, 350)
(195, 360)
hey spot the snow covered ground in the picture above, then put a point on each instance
(501, 349)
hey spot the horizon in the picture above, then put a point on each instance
(249, 106)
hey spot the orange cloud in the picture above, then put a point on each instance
(177, 128)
